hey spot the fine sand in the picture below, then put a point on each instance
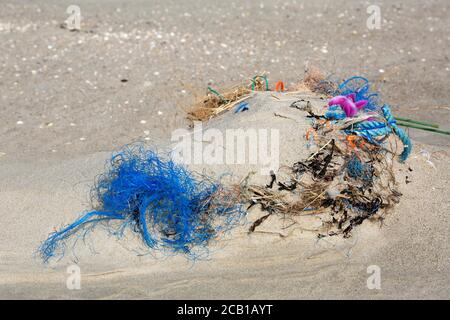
(411, 247)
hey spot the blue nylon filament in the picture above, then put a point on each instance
(171, 207)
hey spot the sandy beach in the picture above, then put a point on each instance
(68, 99)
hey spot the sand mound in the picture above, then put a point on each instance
(410, 247)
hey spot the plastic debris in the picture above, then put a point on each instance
(170, 207)
(243, 106)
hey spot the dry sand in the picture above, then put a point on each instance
(411, 248)
(64, 107)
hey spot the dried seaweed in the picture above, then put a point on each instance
(215, 103)
(345, 183)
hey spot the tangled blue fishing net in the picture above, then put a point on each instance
(169, 206)
(360, 86)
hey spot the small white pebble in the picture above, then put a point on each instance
(143, 122)
(19, 122)
(160, 113)
(381, 71)
(82, 139)
(156, 73)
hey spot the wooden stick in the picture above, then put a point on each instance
(312, 156)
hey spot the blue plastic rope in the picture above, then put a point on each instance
(403, 136)
(373, 131)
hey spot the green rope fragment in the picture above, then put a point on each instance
(410, 125)
(217, 94)
(418, 122)
(262, 77)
